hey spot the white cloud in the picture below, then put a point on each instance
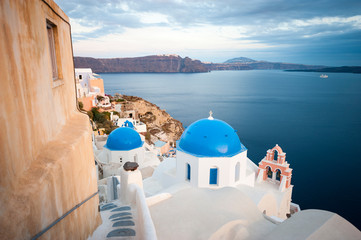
(156, 40)
(149, 18)
(78, 28)
(354, 21)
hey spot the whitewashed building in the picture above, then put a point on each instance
(137, 125)
(211, 155)
(123, 145)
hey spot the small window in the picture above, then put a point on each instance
(213, 176)
(80, 76)
(237, 170)
(51, 29)
(188, 172)
(121, 160)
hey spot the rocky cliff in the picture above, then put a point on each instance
(159, 123)
(156, 63)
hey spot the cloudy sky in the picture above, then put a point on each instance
(324, 32)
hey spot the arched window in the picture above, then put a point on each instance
(237, 169)
(188, 172)
(278, 175)
(275, 157)
(269, 172)
(213, 176)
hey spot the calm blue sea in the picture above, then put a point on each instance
(316, 121)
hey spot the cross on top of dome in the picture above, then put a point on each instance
(210, 115)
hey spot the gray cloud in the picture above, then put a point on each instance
(262, 19)
(185, 13)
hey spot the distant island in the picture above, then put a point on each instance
(175, 64)
(344, 69)
(243, 63)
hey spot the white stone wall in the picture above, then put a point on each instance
(80, 91)
(200, 169)
(284, 206)
(182, 160)
(86, 74)
(127, 156)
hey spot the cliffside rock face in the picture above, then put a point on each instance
(161, 63)
(159, 123)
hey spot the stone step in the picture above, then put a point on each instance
(121, 232)
(118, 222)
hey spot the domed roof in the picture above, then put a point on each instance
(123, 139)
(210, 138)
(127, 123)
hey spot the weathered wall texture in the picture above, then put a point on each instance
(87, 102)
(46, 157)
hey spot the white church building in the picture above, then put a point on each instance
(123, 144)
(211, 155)
(213, 158)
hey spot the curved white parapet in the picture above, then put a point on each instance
(144, 223)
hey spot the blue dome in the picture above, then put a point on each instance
(210, 138)
(128, 124)
(123, 139)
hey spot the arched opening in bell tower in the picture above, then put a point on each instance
(278, 175)
(269, 172)
(275, 155)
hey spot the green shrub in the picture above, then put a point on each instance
(116, 113)
(90, 114)
(100, 98)
(106, 115)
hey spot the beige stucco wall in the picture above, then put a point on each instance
(97, 82)
(47, 164)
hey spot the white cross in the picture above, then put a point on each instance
(210, 115)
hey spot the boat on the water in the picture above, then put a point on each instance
(324, 76)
